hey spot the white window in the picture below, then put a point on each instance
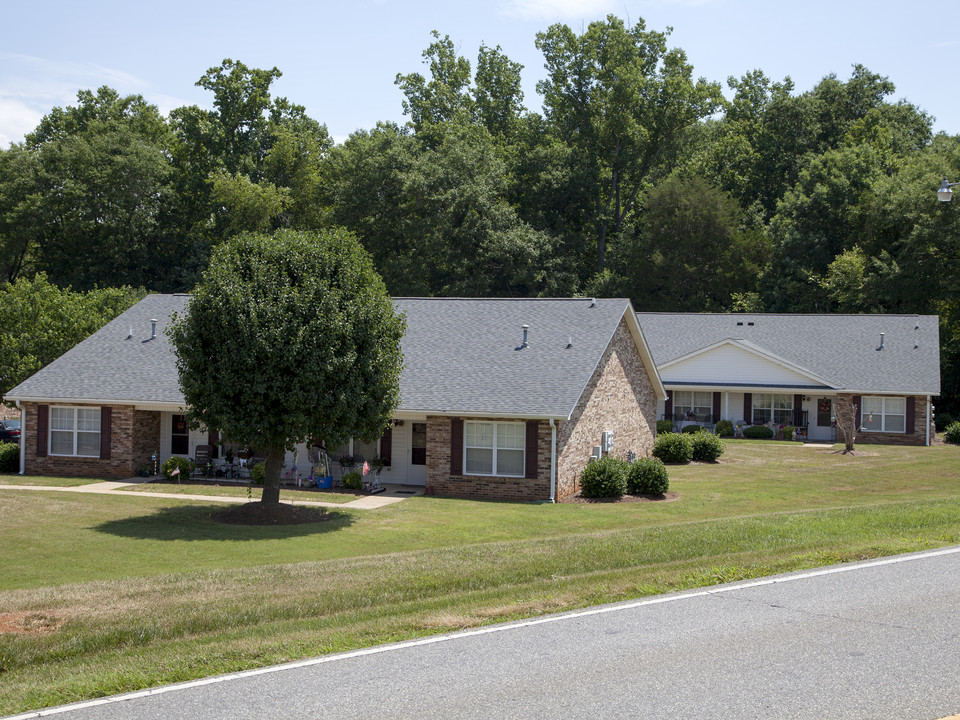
(75, 431)
(768, 407)
(691, 405)
(883, 414)
(494, 448)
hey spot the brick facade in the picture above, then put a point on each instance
(917, 437)
(134, 436)
(619, 397)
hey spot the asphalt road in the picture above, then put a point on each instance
(869, 640)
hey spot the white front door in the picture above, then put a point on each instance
(417, 454)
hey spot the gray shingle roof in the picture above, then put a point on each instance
(841, 349)
(460, 356)
(109, 365)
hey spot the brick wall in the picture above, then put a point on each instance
(619, 397)
(134, 436)
(440, 482)
(917, 437)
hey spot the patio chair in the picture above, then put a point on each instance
(202, 459)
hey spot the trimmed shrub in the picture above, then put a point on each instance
(706, 447)
(725, 428)
(690, 429)
(673, 448)
(786, 432)
(647, 476)
(952, 433)
(353, 480)
(757, 432)
(604, 478)
(9, 457)
(664, 426)
(175, 462)
(257, 473)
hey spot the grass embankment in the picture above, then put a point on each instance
(119, 593)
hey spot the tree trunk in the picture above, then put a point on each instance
(271, 478)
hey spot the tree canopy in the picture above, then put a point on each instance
(290, 337)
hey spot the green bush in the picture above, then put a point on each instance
(604, 478)
(757, 432)
(952, 434)
(353, 480)
(706, 447)
(175, 462)
(786, 432)
(257, 473)
(9, 457)
(673, 448)
(647, 476)
(725, 428)
(664, 426)
(943, 421)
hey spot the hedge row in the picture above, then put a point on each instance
(611, 477)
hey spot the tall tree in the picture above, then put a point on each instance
(288, 337)
(621, 98)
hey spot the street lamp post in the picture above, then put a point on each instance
(945, 194)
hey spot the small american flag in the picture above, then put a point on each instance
(176, 471)
(366, 467)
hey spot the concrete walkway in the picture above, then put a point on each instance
(392, 494)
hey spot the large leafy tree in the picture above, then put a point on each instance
(39, 322)
(622, 99)
(288, 337)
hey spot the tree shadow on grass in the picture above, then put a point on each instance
(195, 522)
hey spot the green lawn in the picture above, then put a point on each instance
(48, 481)
(240, 491)
(121, 592)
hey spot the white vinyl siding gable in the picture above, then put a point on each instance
(728, 364)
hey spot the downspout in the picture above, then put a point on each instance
(23, 441)
(928, 420)
(553, 461)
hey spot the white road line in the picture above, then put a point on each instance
(573, 615)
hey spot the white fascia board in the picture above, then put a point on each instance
(759, 352)
(477, 413)
(138, 404)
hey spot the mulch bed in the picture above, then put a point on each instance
(255, 513)
(577, 498)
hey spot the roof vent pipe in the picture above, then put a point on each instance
(525, 343)
(881, 341)
(593, 302)
(153, 329)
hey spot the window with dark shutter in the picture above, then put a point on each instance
(43, 429)
(533, 431)
(386, 446)
(456, 446)
(911, 411)
(106, 432)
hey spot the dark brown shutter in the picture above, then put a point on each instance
(213, 440)
(456, 446)
(386, 446)
(911, 410)
(43, 429)
(533, 432)
(748, 408)
(668, 408)
(797, 409)
(716, 408)
(856, 420)
(106, 432)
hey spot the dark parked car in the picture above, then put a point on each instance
(10, 431)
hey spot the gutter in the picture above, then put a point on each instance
(553, 461)
(23, 441)
(928, 421)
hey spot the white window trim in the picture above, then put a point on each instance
(883, 415)
(523, 449)
(680, 398)
(773, 410)
(73, 431)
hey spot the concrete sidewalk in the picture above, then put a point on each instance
(392, 494)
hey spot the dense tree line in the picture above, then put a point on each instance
(636, 179)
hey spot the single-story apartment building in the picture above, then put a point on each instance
(500, 398)
(786, 369)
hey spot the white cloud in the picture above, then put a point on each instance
(16, 120)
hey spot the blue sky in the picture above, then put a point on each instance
(339, 59)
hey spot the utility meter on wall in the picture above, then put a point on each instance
(606, 441)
